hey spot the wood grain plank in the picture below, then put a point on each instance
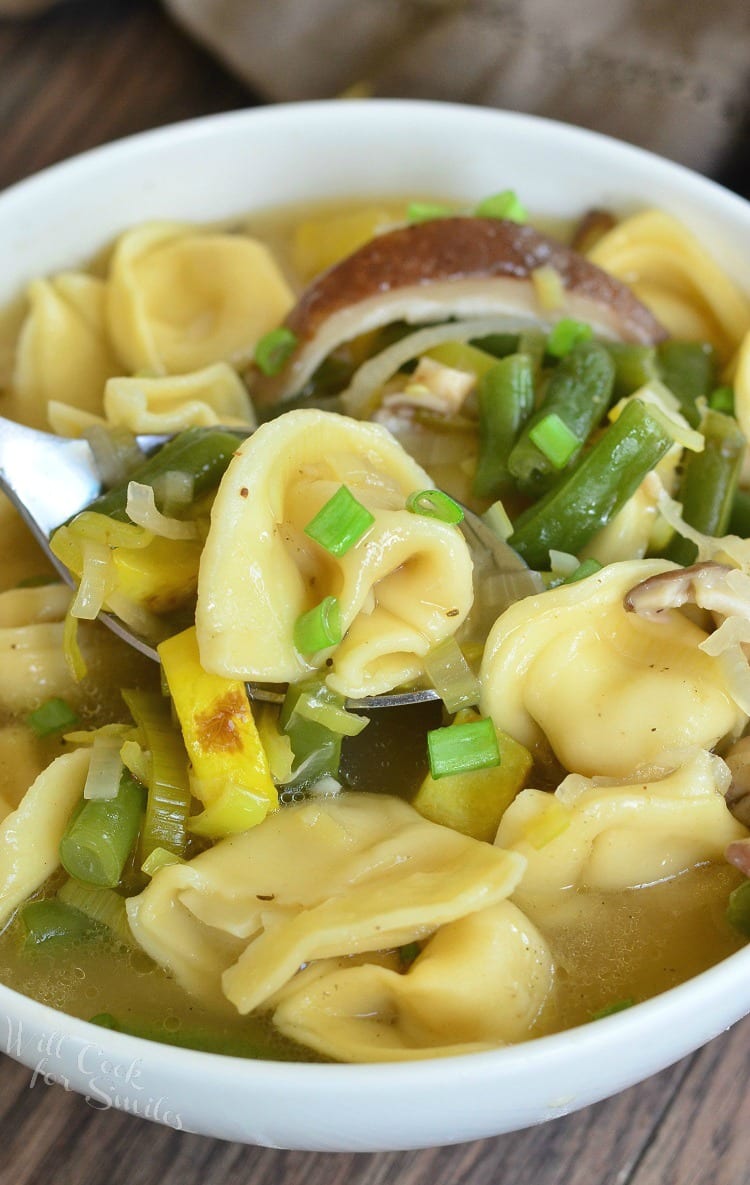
(703, 1139)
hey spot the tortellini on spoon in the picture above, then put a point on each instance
(607, 690)
(402, 589)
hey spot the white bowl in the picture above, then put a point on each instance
(226, 165)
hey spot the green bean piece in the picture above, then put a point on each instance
(709, 484)
(498, 344)
(101, 834)
(635, 366)
(204, 453)
(579, 392)
(317, 749)
(589, 495)
(739, 517)
(505, 396)
(53, 921)
(689, 370)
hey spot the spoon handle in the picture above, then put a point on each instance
(47, 478)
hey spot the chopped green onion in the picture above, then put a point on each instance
(340, 523)
(451, 676)
(100, 836)
(159, 858)
(53, 716)
(566, 334)
(722, 399)
(427, 211)
(50, 920)
(319, 628)
(553, 437)
(435, 504)
(611, 1009)
(104, 906)
(461, 747)
(323, 706)
(586, 568)
(502, 205)
(274, 350)
(738, 909)
(169, 797)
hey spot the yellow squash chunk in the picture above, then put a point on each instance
(161, 577)
(321, 242)
(230, 769)
(474, 802)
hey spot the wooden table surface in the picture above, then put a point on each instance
(80, 76)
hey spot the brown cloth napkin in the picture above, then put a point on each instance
(671, 75)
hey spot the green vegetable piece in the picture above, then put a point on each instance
(462, 747)
(435, 504)
(316, 748)
(505, 204)
(341, 523)
(739, 518)
(506, 399)
(689, 370)
(169, 797)
(722, 399)
(274, 350)
(319, 628)
(709, 483)
(553, 437)
(578, 392)
(53, 921)
(738, 909)
(408, 953)
(611, 1009)
(427, 211)
(474, 802)
(586, 568)
(55, 715)
(565, 335)
(101, 834)
(204, 453)
(462, 356)
(498, 344)
(635, 366)
(589, 495)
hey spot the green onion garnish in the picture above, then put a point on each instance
(585, 568)
(566, 334)
(435, 504)
(553, 437)
(53, 716)
(738, 909)
(274, 350)
(462, 747)
(319, 628)
(611, 1009)
(722, 399)
(427, 211)
(502, 205)
(340, 523)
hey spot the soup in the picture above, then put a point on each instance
(298, 875)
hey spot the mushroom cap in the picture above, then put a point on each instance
(448, 267)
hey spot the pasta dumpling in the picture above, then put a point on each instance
(201, 399)
(402, 589)
(30, 835)
(609, 691)
(180, 299)
(317, 880)
(32, 661)
(611, 836)
(479, 982)
(63, 350)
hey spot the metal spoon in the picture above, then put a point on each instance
(50, 478)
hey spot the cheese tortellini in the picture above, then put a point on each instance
(32, 660)
(180, 298)
(201, 399)
(610, 836)
(318, 880)
(479, 982)
(402, 589)
(608, 691)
